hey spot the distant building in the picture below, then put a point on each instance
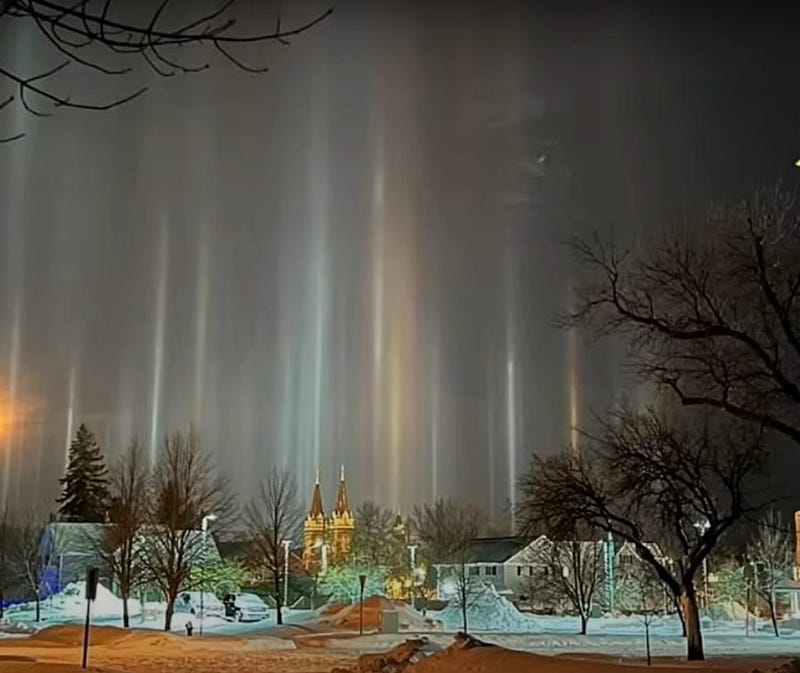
(68, 549)
(327, 539)
(510, 562)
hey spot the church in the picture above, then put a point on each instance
(327, 540)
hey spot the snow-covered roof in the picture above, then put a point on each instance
(495, 549)
(67, 537)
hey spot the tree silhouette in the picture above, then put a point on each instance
(110, 39)
(85, 495)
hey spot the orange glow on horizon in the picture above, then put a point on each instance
(14, 416)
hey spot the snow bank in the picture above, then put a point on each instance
(487, 610)
(71, 603)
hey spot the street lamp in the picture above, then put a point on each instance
(204, 529)
(412, 551)
(323, 548)
(362, 579)
(702, 527)
(287, 545)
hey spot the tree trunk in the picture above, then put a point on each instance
(691, 615)
(278, 613)
(38, 607)
(647, 642)
(464, 615)
(679, 612)
(584, 623)
(168, 615)
(774, 618)
(126, 617)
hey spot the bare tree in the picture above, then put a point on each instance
(771, 552)
(185, 488)
(374, 542)
(274, 516)
(112, 38)
(118, 544)
(30, 553)
(569, 570)
(645, 478)
(445, 530)
(711, 312)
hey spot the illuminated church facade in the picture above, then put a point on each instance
(327, 539)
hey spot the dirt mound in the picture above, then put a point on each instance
(472, 656)
(71, 635)
(374, 608)
(331, 608)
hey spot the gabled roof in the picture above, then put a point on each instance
(67, 537)
(495, 549)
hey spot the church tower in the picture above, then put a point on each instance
(314, 529)
(342, 523)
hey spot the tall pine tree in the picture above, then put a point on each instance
(85, 495)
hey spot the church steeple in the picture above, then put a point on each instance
(342, 505)
(316, 500)
(322, 534)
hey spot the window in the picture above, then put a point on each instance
(491, 570)
(519, 571)
(474, 570)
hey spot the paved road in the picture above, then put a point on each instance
(294, 624)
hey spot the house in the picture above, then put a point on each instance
(68, 550)
(493, 560)
(510, 563)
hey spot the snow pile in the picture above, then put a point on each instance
(487, 610)
(71, 603)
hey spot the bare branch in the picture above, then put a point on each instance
(74, 29)
(710, 314)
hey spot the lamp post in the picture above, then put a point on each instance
(323, 549)
(204, 529)
(412, 552)
(702, 527)
(287, 545)
(362, 580)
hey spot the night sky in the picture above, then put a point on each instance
(357, 257)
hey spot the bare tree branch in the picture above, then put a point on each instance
(647, 477)
(711, 313)
(91, 35)
(274, 516)
(186, 487)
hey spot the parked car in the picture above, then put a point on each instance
(189, 602)
(245, 607)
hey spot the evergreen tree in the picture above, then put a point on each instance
(85, 495)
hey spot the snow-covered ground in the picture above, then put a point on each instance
(69, 607)
(492, 617)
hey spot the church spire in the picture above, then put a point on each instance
(341, 496)
(316, 499)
